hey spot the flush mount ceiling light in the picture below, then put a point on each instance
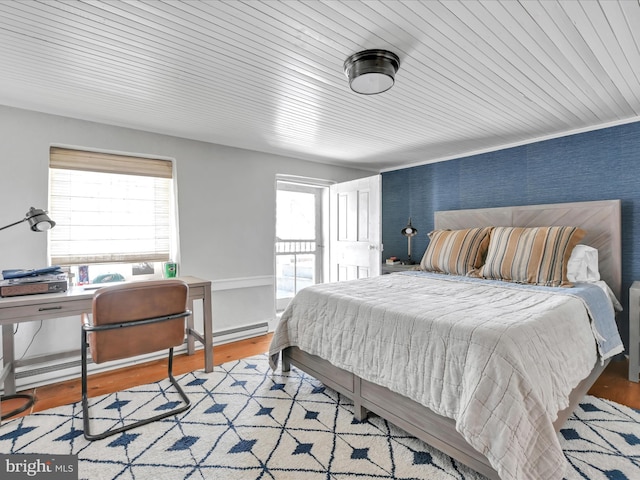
(371, 71)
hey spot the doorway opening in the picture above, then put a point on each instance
(300, 237)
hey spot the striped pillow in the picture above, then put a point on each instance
(536, 255)
(457, 252)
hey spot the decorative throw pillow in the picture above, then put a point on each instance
(536, 255)
(457, 252)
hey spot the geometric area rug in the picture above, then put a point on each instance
(247, 422)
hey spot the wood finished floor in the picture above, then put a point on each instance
(612, 384)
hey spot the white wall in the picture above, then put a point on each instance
(226, 208)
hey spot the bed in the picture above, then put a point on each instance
(480, 369)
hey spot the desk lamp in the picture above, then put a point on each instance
(39, 221)
(409, 231)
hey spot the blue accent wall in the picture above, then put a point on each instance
(598, 165)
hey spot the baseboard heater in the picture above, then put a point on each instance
(240, 333)
(36, 376)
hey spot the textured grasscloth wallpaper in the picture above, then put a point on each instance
(599, 165)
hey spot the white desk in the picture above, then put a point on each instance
(46, 306)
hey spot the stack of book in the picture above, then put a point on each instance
(28, 282)
(393, 261)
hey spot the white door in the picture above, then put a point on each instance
(356, 240)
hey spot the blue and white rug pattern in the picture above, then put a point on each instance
(247, 422)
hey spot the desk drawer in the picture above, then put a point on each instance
(42, 310)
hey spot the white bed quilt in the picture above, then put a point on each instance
(499, 359)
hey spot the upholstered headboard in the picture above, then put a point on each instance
(600, 219)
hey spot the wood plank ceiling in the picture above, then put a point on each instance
(268, 75)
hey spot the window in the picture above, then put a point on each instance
(110, 208)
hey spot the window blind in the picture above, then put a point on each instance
(109, 208)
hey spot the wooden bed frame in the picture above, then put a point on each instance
(600, 219)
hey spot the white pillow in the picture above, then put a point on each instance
(583, 264)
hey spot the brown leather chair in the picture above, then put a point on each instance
(133, 319)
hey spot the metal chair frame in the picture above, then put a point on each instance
(86, 328)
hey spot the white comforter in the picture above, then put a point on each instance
(498, 358)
